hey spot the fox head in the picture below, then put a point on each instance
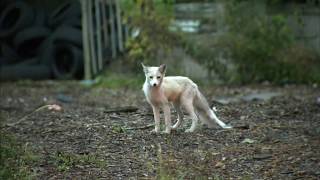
(154, 75)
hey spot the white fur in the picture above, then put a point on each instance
(161, 91)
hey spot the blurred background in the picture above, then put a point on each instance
(211, 41)
(257, 62)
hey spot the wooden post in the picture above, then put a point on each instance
(126, 33)
(105, 25)
(112, 28)
(98, 31)
(85, 39)
(91, 38)
(119, 25)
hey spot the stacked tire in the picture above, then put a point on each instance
(37, 45)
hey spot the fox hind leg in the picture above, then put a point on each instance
(187, 103)
(180, 116)
(190, 110)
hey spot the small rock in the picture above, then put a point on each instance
(262, 156)
(266, 150)
(318, 101)
(286, 171)
(79, 166)
(242, 118)
(220, 165)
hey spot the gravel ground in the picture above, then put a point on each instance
(104, 133)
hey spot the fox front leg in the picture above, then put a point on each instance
(156, 115)
(167, 117)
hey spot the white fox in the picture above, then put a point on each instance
(160, 91)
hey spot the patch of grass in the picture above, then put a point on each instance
(64, 161)
(170, 167)
(263, 46)
(16, 159)
(164, 171)
(120, 80)
(118, 128)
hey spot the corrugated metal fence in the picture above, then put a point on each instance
(103, 34)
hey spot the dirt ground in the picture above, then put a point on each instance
(106, 134)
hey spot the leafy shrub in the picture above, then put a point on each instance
(150, 19)
(259, 44)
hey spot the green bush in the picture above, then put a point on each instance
(151, 18)
(259, 44)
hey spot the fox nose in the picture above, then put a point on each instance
(154, 84)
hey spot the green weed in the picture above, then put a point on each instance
(16, 159)
(64, 161)
(119, 80)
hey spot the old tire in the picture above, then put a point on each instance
(73, 22)
(10, 55)
(28, 41)
(40, 17)
(68, 34)
(66, 60)
(15, 17)
(16, 72)
(3, 61)
(66, 10)
(31, 61)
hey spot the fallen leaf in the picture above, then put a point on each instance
(248, 141)
(54, 107)
(219, 165)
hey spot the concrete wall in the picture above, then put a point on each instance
(307, 26)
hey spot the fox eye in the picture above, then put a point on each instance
(158, 77)
(150, 77)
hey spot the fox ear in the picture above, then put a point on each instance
(145, 68)
(163, 68)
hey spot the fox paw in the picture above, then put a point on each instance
(189, 131)
(155, 131)
(167, 131)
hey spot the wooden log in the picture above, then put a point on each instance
(122, 109)
(141, 127)
(85, 39)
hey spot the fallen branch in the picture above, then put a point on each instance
(242, 126)
(141, 127)
(49, 106)
(121, 109)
